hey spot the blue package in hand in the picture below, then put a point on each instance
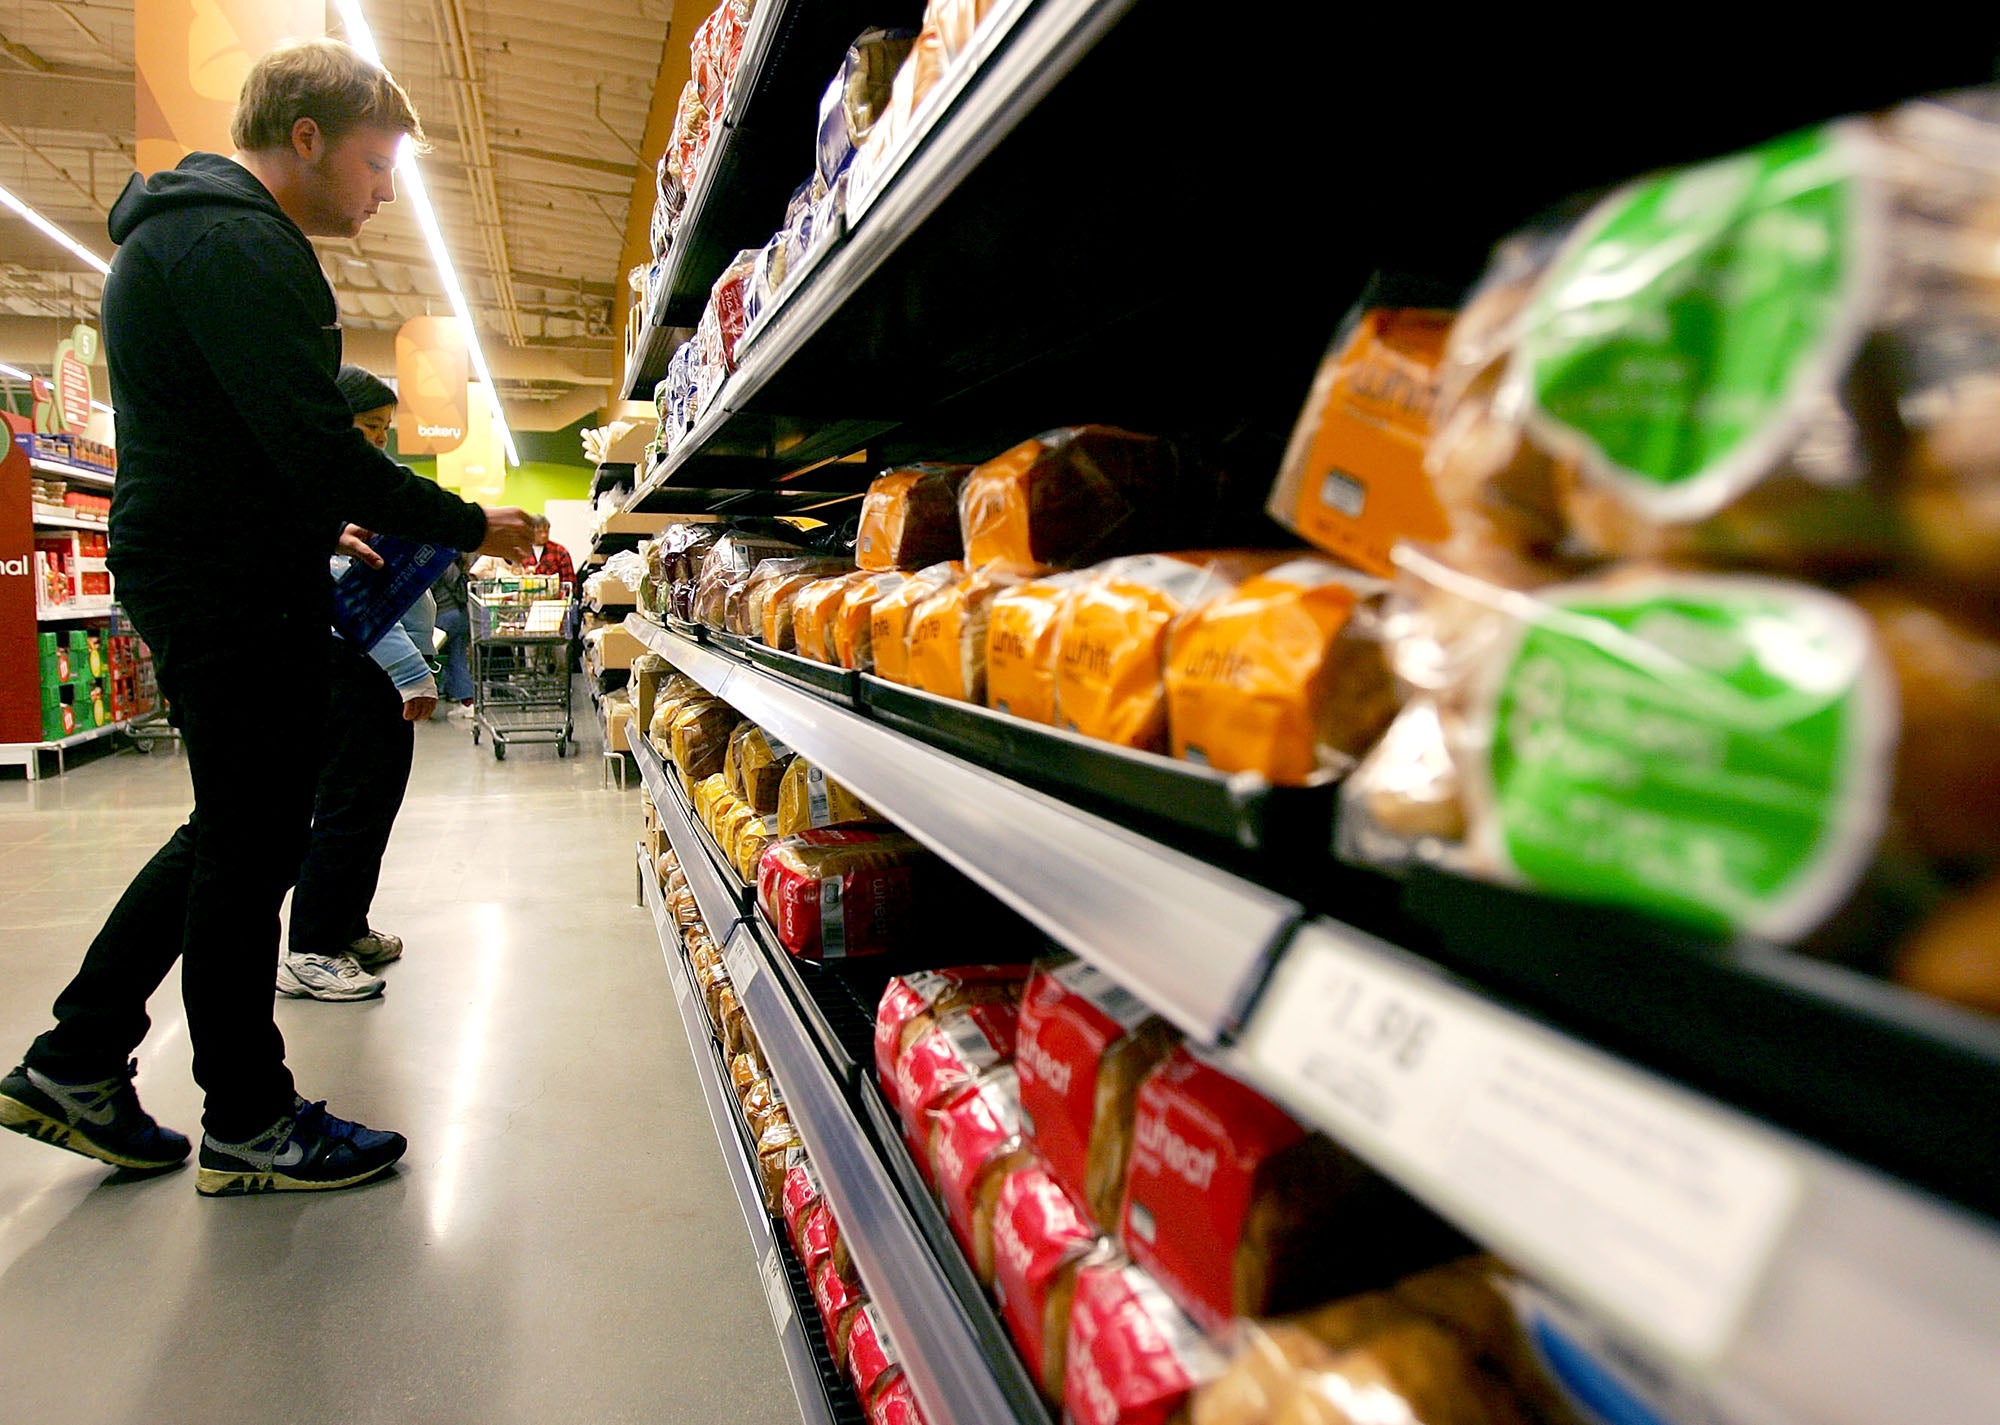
(366, 602)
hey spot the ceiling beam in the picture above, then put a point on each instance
(448, 133)
(414, 255)
(58, 101)
(23, 246)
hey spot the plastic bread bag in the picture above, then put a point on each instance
(829, 214)
(774, 1154)
(1712, 749)
(1111, 639)
(744, 1072)
(698, 738)
(815, 611)
(947, 634)
(808, 798)
(873, 1361)
(761, 760)
(959, 1047)
(1133, 1358)
(839, 1297)
(836, 893)
(1083, 1047)
(764, 1106)
(895, 1403)
(1040, 1242)
(727, 566)
(976, 1139)
(856, 95)
(1081, 493)
(799, 1196)
(911, 1004)
(957, 23)
(854, 624)
(727, 298)
(889, 623)
(780, 629)
(1284, 675)
(1237, 1210)
(1022, 648)
(910, 518)
(779, 578)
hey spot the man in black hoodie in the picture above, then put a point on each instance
(223, 339)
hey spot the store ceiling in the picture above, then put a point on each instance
(559, 90)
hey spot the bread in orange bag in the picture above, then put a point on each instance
(854, 624)
(910, 518)
(889, 622)
(813, 614)
(1112, 640)
(1074, 495)
(1283, 675)
(1021, 632)
(948, 635)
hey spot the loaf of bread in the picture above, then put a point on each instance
(839, 1298)
(779, 602)
(975, 1141)
(776, 580)
(895, 1403)
(774, 1155)
(910, 518)
(737, 1036)
(889, 622)
(712, 980)
(963, 1045)
(798, 1196)
(854, 624)
(1284, 675)
(872, 1358)
(1084, 1045)
(1040, 1241)
(1112, 638)
(744, 1074)
(1133, 1358)
(947, 635)
(684, 909)
(835, 893)
(1955, 955)
(1238, 1211)
(814, 614)
(763, 1105)
(820, 1241)
(808, 798)
(752, 841)
(1072, 496)
(756, 767)
(911, 1004)
(699, 738)
(1021, 646)
(725, 571)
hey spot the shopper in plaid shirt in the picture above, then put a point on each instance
(550, 557)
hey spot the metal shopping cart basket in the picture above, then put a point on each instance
(520, 663)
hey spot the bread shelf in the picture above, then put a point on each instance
(822, 1396)
(77, 474)
(44, 520)
(1721, 1254)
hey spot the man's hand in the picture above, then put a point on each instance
(417, 709)
(509, 535)
(354, 540)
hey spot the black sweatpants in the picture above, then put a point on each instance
(211, 895)
(361, 784)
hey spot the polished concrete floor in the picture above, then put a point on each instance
(560, 1245)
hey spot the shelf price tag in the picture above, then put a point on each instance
(739, 957)
(777, 1291)
(1626, 1192)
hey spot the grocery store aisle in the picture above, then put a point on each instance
(560, 1243)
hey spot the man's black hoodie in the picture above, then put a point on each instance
(237, 457)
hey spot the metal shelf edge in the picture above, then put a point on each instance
(719, 908)
(793, 1347)
(1191, 939)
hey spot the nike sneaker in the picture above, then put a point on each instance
(327, 977)
(308, 1150)
(100, 1120)
(376, 948)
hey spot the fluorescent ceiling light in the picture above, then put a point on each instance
(53, 232)
(14, 371)
(363, 39)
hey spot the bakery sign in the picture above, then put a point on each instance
(433, 369)
(63, 402)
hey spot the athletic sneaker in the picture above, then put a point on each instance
(328, 977)
(100, 1120)
(308, 1150)
(376, 948)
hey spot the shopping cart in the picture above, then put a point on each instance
(520, 663)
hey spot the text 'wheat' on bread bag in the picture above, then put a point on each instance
(1284, 675)
(834, 894)
(1237, 1210)
(1111, 640)
(1353, 479)
(872, 1358)
(1711, 749)
(910, 518)
(854, 621)
(948, 635)
(889, 623)
(800, 1194)
(1084, 1046)
(959, 1047)
(1040, 1241)
(1133, 1356)
(775, 579)
(911, 1004)
(808, 798)
(975, 1141)
(1021, 646)
(814, 613)
(1072, 496)
(839, 1298)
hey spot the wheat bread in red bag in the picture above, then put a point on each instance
(1084, 1046)
(872, 1359)
(1134, 1357)
(911, 1004)
(963, 1044)
(798, 1195)
(975, 1141)
(895, 1405)
(1041, 1239)
(820, 1241)
(1239, 1211)
(833, 893)
(839, 1298)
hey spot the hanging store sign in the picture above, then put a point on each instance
(433, 370)
(477, 468)
(192, 57)
(62, 403)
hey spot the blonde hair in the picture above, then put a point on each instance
(326, 81)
